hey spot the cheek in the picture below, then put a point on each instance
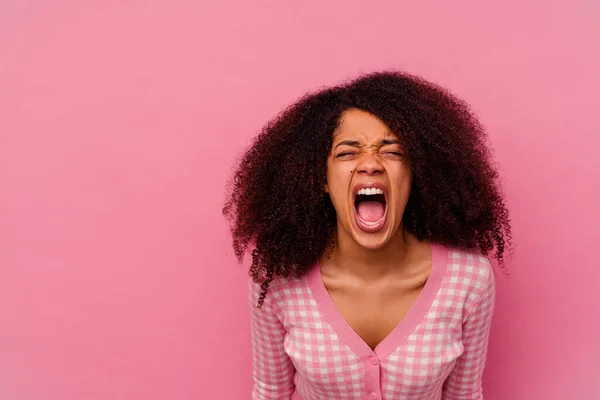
(337, 191)
(338, 183)
(403, 179)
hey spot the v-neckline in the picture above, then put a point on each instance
(400, 333)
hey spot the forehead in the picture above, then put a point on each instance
(360, 125)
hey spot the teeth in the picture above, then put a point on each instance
(369, 191)
(370, 223)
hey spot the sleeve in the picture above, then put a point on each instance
(273, 371)
(464, 382)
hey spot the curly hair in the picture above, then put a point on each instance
(277, 207)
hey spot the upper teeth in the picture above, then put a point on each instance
(370, 191)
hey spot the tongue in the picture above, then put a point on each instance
(370, 211)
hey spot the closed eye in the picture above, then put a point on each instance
(345, 154)
(395, 153)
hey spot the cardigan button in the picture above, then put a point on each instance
(374, 396)
(374, 360)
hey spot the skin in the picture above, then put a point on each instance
(385, 270)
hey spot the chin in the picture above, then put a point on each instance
(371, 244)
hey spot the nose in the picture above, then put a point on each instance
(369, 164)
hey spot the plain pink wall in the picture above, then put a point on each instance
(119, 123)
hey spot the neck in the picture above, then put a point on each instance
(372, 264)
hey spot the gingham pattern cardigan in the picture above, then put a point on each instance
(304, 349)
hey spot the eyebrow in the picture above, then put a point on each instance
(354, 143)
(386, 142)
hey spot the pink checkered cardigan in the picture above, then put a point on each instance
(304, 349)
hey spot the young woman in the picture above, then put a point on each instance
(370, 209)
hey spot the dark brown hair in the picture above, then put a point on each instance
(277, 207)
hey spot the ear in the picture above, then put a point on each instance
(326, 188)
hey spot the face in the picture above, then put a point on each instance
(368, 180)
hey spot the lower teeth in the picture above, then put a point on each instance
(370, 223)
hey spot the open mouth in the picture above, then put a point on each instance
(370, 206)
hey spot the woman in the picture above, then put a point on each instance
(370, 209)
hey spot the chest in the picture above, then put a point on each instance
(373, 312)
(329, 358)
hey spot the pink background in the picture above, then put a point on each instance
(119, 123)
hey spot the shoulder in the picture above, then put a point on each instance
(281, 291)
(473, 268)
(469, 275)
